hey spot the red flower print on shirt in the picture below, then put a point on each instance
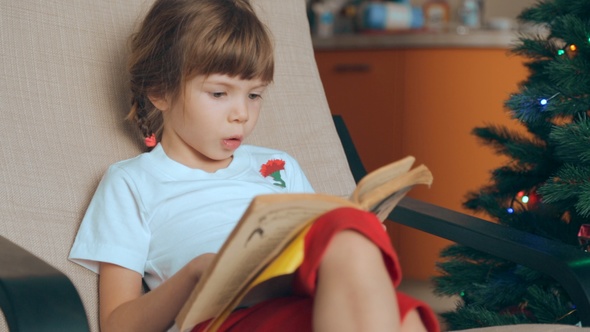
(273, 169)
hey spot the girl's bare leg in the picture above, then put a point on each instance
(413, 323)
(355, 292)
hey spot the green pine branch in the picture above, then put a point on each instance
(550, 162)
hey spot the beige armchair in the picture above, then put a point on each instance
(62, 103)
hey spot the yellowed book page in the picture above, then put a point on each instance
(380, 176)
(383, 198)
(267, 227)
(288, 260)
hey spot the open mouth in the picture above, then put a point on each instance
(232, 142)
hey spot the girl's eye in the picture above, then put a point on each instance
(254, 96)
(217, 94)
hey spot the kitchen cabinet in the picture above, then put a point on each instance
(366, 88)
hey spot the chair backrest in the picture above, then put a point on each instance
(63, 98)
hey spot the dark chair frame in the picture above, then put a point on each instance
(36, 297)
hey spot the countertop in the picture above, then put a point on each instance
(419, 39)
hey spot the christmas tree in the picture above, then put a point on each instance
(544, 188)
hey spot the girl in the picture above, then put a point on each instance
(199, 69)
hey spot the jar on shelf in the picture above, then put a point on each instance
(470, 14)
(436, 14)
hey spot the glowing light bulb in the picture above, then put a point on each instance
(525, 199)
(561, 52)
(573, 47)
(510, 210)
(543, 101)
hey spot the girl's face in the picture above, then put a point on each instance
(204, 127)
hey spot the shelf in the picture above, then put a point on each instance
(447, 39)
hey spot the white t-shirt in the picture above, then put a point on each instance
(152, 215)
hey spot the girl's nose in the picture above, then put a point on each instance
(239, 112)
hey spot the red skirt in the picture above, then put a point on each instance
(294, 313)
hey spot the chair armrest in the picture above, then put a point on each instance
(34, 296)
(566, 264)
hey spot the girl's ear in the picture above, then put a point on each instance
(161, 102)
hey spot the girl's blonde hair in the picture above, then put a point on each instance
(181, 39)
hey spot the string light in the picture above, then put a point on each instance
(545, 101)
(522, 198)
(571, 51)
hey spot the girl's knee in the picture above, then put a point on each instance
(412, 322)
(353, 250)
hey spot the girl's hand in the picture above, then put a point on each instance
(199, 265)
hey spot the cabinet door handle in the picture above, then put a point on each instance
(352, 68)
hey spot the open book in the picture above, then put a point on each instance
(264, 242)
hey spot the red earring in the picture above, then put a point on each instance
(151, 141)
